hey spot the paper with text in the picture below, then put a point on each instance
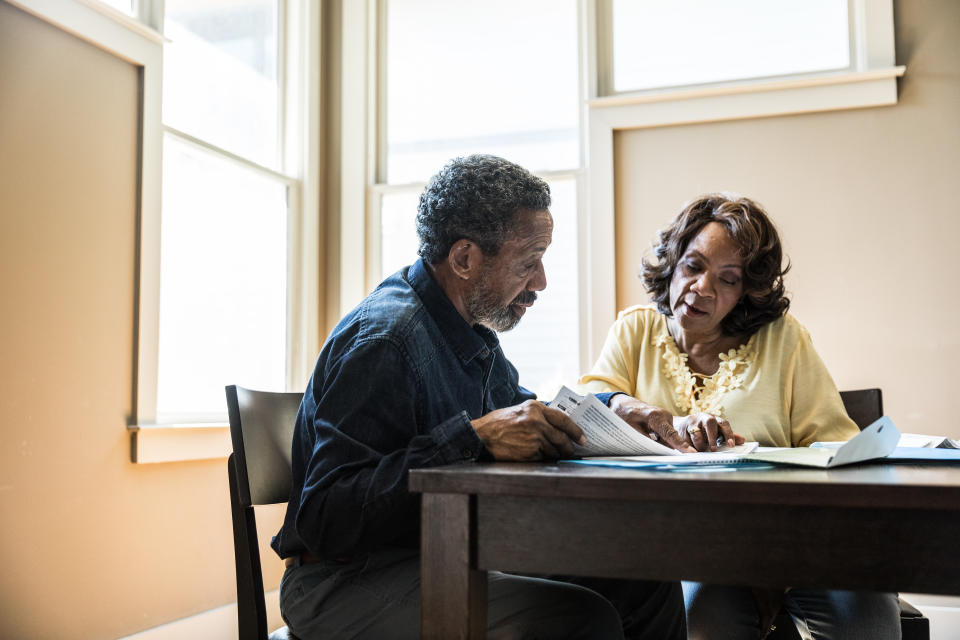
(607, 434)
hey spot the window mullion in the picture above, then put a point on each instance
(284, 118)
(227, 155)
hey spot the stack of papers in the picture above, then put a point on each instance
(608, 435)
(876, 441)
(927, 442)
(611, 442)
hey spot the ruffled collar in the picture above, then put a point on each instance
(692, 397)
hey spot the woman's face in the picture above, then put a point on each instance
(707, 282)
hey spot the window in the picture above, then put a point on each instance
(665, 43)
(223, 282)
(224, 257)
(228, 284)
(660, 49)
(450, 91)
(221, 72)
(497, 77)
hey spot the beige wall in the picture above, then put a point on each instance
(866, 202)
(91, 546)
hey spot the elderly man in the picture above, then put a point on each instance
(415, 377)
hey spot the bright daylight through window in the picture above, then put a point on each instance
(224, 252)
(668, 43)
(497, 77)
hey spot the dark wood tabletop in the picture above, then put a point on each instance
(891, 485)
(880, 527)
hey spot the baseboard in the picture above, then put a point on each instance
(215, 624)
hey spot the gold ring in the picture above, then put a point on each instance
(693, 429)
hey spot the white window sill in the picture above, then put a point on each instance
(178, 443)
(826, 92)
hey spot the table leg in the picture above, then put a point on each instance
(453, 593)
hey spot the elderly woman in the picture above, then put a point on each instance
(719, 355)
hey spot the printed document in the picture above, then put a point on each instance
(607, 434)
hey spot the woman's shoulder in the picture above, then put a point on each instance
(641, 318)
(640, 314)
(784, 331)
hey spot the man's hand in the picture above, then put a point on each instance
(705, 432)
(651, 421)
(529, 431)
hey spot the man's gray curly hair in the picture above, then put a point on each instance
(475, 198)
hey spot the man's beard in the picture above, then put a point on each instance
(484, 306)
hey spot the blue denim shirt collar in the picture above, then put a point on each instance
(466, 341)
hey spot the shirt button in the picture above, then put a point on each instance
(467, 454)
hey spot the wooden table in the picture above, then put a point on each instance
(878, 527)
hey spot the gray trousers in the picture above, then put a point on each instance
(378, 596)
(716, 612)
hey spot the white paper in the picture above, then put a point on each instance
(723, 455)
(607, 434)
(876, 441)
(932, 442)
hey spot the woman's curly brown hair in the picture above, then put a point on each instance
(764, 298)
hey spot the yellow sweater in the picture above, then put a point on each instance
(774, 389)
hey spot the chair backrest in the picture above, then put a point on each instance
(863, 406)
(261, 428)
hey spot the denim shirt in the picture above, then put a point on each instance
(395, 388)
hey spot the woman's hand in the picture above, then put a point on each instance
(651, 421)
(705, 432)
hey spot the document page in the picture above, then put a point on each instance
(607, 434)
(723, 455)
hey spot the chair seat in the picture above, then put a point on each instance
(913, 624)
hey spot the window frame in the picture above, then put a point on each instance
(139, 42)
(364, 174)
(299, 172)
(857, 21)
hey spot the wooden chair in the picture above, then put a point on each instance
(261, 428)
(863, 406)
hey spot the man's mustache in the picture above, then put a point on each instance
(525, 297)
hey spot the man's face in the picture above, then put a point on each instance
(509, 281)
